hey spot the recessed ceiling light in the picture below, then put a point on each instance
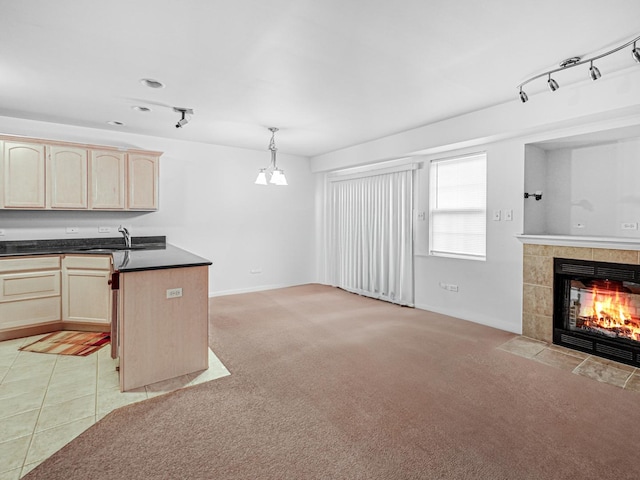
(138, 108)
(116, 123)
(151, 83)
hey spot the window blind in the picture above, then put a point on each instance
(458, 206)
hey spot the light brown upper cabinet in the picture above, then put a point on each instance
(143, 181)
(24, 173)
(66, 177)
(43, 174)
(108, 180)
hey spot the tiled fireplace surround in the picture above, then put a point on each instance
(537, 298)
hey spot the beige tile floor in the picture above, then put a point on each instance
(597, 368)
(48, 400)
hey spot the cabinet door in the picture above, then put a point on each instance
(86, 294)
(67, 177)
(143, 181)
(23, 165)
(29, 291)
(107, 174)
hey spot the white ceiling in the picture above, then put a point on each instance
(328, 73)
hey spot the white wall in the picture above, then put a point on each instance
(208, 206)
(491, 292)
(485, 288)
(535, 179)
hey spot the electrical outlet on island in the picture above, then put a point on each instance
(174, 292)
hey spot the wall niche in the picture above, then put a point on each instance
(590, 185)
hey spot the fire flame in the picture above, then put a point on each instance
(611, 311)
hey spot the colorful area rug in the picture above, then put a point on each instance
(69, 343)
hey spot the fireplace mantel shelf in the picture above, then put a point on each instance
(618, 243)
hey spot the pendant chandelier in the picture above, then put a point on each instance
(272, 174)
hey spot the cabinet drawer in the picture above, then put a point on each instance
(88, 262)
(27, 285)
(29, 312)
(23, 264)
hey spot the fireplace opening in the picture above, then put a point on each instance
(597, 308)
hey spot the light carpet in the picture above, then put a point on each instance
(328, 385)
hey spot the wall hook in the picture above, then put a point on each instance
(537, 195)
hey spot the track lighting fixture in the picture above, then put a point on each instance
(272, 174)
(594, 72)
(183, 120)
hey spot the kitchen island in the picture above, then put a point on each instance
(160, 326)
(159, 309)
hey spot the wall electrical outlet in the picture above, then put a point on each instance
(174, 292)
(104, 229)
(72, 230)
(629, 226)
(448, 286)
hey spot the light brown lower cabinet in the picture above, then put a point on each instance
(29, 292)
(45, 293)
(85, 287)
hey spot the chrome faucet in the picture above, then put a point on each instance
(127, 236)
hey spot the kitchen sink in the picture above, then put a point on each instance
(110, 249)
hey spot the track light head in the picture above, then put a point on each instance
(523, 96)
(553, 85)
(635, 53)
(183, 120)
(594, 72)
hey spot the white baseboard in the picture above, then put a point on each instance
(489, 322)
(261, 288)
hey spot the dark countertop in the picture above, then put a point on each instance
(147, 253)
(155, 258)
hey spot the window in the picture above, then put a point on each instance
(458, 207)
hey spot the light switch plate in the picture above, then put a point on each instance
(508, 215)
(496, 215)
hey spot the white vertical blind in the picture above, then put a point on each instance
(371, 245)
(458, 206)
